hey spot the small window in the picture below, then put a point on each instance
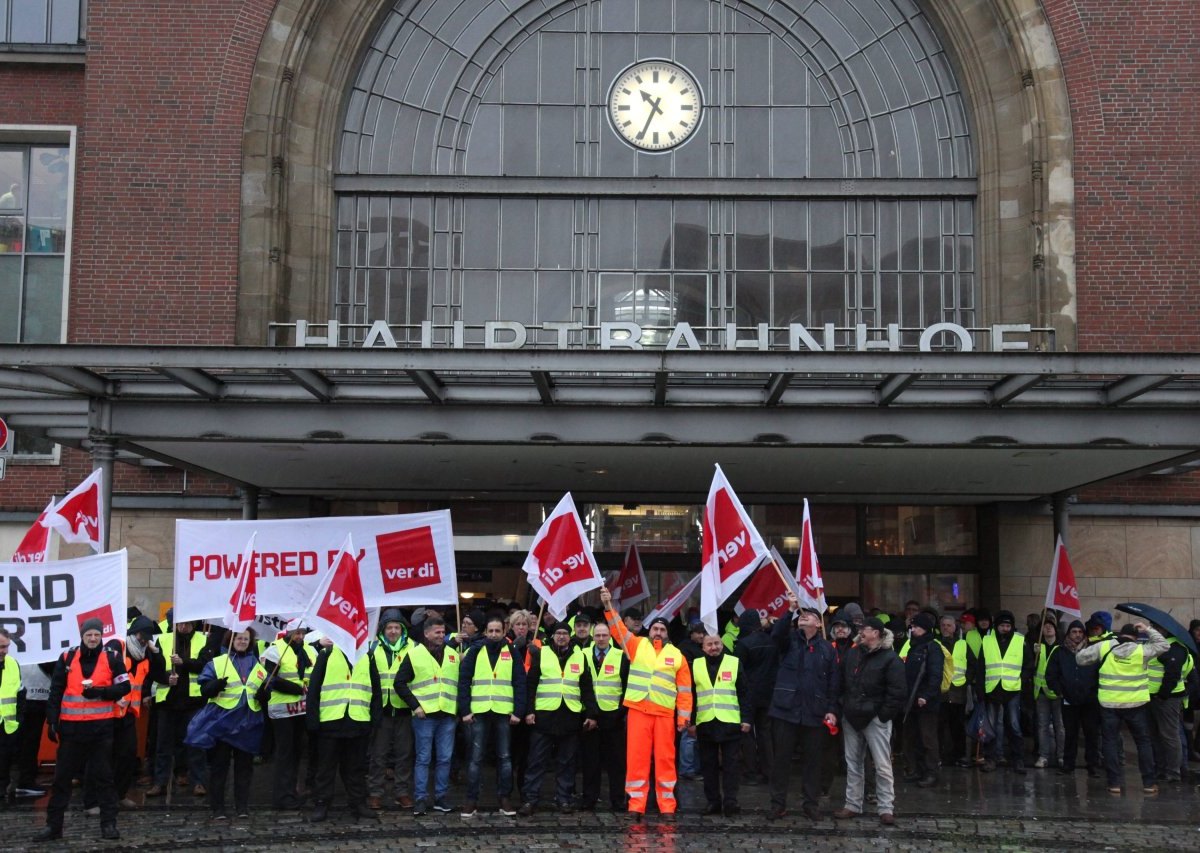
(41, 21)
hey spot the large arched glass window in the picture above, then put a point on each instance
(481, 174)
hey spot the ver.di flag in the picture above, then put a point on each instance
(338, 609)
(1063, 592)
(560, 566)
(630, 585)
(731, 548)
(79, 517)
(243, 606)
(766, 591)
(808, 569)
(35, 546)
(675, 602)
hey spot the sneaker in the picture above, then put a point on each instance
(506, 808)
(30, 792)
(1040, 763)
(92, 812)
(468, 810)
(420, 808)
(243, 813)
(220, 816)
(1150, 790)
(442, 806)
(1115, 789)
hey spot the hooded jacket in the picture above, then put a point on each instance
(923, 651)
(873, 684)
(1075, 684)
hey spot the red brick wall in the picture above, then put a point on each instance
(1134, 81)
(41, 94)
(1177, 489)
(159, 170)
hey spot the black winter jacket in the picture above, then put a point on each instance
(1075, 684)
(808, 683)
(923, 651)
(873, 684)
(759, 658)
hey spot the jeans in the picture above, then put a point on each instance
(1138, 722)
(1006, 720)
(490, 726)
(432, 734)
(877, 738)
(1164, 724)
(1051, 734)
(689, 759)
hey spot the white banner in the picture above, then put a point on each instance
(42, 605)
(405, 560)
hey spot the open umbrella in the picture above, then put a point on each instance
(1164, 621)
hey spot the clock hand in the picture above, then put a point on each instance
(654, 107)
(646, 126)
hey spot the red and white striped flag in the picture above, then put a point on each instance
(1063, 592)
(731, 548)
(808, 569)
(35, 547)
(79, 517)
(243, 606)
(630, 585)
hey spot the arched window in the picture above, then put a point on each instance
(487, 171)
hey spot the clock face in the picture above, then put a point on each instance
(655, 105)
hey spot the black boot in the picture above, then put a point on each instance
(109, 832)
(50, 833)
(319, 814)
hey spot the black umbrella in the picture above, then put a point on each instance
(1164, 621)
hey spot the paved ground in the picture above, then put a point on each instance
(968, 811)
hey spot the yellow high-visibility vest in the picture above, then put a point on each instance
(717, 701)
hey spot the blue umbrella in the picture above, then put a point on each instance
(1165, 622)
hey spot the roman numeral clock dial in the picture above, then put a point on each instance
(655, 105)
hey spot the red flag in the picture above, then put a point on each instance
(338, 609)
(1063, 592)
(765, 593)
(808, 569)
(79, 517)
(243, 606)
(35, 547)
(674, 602)
(630, 586)
(560, 565)
(731, 548)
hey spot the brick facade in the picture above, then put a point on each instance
(161, 106)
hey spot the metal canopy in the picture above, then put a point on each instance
(909, 425)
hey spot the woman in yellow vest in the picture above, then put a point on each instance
(1124, 695)
(343, 699)
(230, 683)
(723, 711)
(392, 737)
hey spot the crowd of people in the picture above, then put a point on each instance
(598, 697)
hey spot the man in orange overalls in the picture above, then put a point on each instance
(658, 695)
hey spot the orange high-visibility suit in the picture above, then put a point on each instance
(659, 698)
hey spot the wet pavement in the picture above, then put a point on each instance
(967, 811)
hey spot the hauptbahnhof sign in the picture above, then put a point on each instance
(617, 335)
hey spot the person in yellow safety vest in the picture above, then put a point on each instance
(288, 664)
(1099, 626)
(602, 747)
(657, 695)
(181, 657)
(952, 717)
(491, 700)
(391, 738)
(723, 711)
(1168, 689)
(343, 699)
(559, 703)
(1051, 735)
(88, 682)
(1124, 694)
(428, 684)
(1000, 670)
(12, 703)
(230, 682)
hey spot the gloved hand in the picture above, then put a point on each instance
(52, 733)
(223, 682)
(93, 693)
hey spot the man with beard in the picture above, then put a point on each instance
(491, 700)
